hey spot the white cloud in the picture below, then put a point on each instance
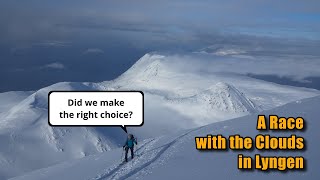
(55, 65)
(53, 44)
(93, 51)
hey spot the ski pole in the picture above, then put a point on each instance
(122, 155)
(136, 149)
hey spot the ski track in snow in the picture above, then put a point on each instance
(112, 170)
(124, 171)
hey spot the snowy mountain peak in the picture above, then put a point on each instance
(183, 90)
(145, 68)
(196, 82)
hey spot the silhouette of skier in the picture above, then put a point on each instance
(129, 145)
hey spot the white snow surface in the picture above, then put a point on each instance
(181, 92)
(30, 143)
(174, 156)
(9, 99)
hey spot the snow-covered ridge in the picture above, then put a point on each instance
(185, 75)
(218, 102)
(182, 91)
(226, 98)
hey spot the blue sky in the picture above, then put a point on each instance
(44, 41)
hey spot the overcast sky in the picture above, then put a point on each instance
(45, 41)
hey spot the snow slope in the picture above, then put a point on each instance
(9, 99)
(181, 92)
(30, 143)
(174, 156)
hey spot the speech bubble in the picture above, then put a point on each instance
(96, 108)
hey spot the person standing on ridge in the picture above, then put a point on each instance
(129, 145)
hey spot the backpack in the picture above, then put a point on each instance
(130, 142)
